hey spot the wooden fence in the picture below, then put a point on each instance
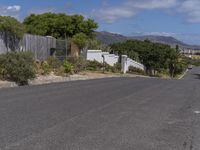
(40, 46)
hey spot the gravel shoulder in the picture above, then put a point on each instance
(47, 79)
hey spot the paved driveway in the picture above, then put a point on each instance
(103, 114)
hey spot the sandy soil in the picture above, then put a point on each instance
(53, 78)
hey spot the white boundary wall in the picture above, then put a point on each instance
(94, 55)
(100, 56)
(127, 62)
(112, 59)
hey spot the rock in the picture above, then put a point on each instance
(7, 84)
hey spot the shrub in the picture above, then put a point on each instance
(136, 70)
(114, 69)
(68, 67)
(17, 66)
(195, 62)
(79, 63)
(117, 68)
(94, 65)
(163, 73)
(1, 72)
(54, 62)
(108, 68)
(3, 60)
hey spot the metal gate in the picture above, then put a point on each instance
(61, 50)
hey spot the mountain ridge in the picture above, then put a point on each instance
(110, 38)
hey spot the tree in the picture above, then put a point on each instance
(59, 25)
(177, 63)
(11, 31)
(94, 44)
(155, 56)
(177, 48)
(80, 40)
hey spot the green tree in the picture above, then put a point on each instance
(177, 48)
(177, 63)
(59, 25)
(12, 31)
(94, 44)
(155, 56)
(80, 40)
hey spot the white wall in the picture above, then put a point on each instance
(111, 59)
(98, 55)
(127, 62)
(94, 55)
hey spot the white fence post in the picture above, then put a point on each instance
(124, 63)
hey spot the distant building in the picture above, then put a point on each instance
(188, 51)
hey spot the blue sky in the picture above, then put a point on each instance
(178, 18)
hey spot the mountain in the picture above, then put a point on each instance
(110, 38)
(161, 39)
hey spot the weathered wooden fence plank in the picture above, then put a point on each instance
(40, 46)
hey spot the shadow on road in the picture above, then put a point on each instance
(197, 76)
(193, 74)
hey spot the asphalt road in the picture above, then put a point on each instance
(103, 114)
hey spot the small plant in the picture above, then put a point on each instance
(116, 68)
(54, 62)
(46, 69)
(136, 70)
(108, 68)
(79, 63)
(94, 66)
(37, 67)
(68, 67)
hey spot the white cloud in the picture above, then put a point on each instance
(13, 10)
(41, 10)
(191, 8)
(112, 14)
(151, 4)
(130, 8)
